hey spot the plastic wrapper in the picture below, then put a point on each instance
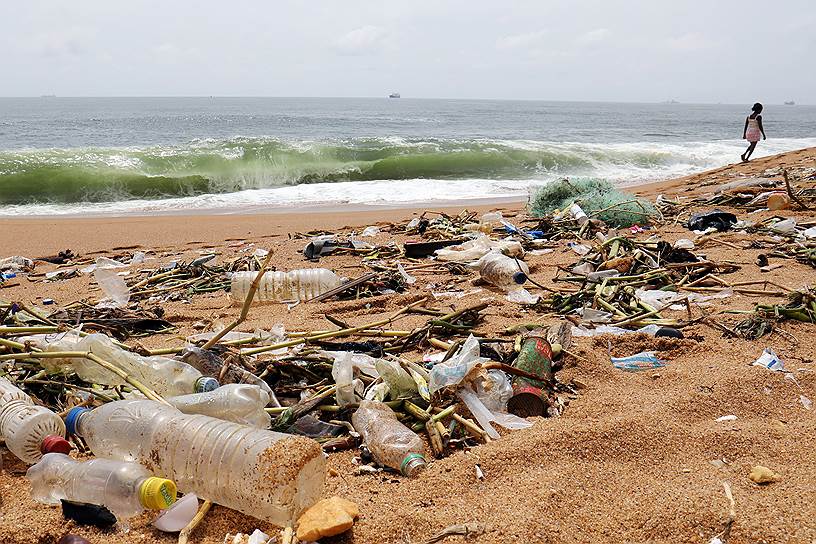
(454, 371)
(345, 362)
(111, 283)
(485, 416)
(400, 383)
(495, 390)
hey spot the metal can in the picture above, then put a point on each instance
(529, 396)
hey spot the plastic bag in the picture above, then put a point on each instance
(400, 384)
(343, 373)
(111, 283)
(495, 390)
(484, 416)
(656, 298)
(770, 360)
(455, 370)
(645, 360)
(370, 231)
(409, 279)
(521, 296)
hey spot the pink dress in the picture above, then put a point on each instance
(752, 133)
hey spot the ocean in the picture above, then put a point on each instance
(67, 156)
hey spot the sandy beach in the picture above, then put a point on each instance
(635, 457)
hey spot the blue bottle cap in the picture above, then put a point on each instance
(72, 418)
(519, 277)
(205, 383)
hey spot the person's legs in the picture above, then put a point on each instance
(744, 159)
(750, 150)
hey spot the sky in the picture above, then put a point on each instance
(730, 51)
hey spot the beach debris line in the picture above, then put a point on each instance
(404, 378)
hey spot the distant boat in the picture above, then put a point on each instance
(48, 96)
(790, 103)
(671, 102)
(394, 95)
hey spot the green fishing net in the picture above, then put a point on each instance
(597, 197)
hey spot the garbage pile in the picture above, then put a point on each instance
(242, 419)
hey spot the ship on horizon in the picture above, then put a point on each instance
(790, 103)
(394, 95)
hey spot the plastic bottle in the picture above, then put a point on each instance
(24, 426)
(166, 376)
(271, 476)
(300, 284)
(126, 489)
(237, 402)
(502, 271)
(391, 443)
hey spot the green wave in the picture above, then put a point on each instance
(111, 174)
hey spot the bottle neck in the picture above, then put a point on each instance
(413, 464)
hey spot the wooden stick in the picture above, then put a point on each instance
(347, 285)
(184, 535)
(790, 191)
(247, 303)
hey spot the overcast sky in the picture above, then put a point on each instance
(733, 51)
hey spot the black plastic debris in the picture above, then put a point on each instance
(718, 219)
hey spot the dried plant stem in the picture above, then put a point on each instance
(184, 535)
(146, 391)
(247, 303)
(334, 334)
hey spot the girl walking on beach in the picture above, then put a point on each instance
(753, 129)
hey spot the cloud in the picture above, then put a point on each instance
(691, 41)
(62, 44)
(521, 41)
(361, 41)
(172, 53)
(593, 37)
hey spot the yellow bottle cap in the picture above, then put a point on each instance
(157, 493)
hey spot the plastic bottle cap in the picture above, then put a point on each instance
(412, 463)
(157, 493)
(205, 383)
(55, 444)
(72, 418)
(519, 277)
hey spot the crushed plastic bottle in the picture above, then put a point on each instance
(475, 249)
(165, 376)
(502, 271)
(391, 443)
(126, 489)
(302, 284)
(271, 476)
(240, 403)
(25, 426)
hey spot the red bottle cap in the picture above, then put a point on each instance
(55, 444)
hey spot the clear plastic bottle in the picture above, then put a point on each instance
(126, 489)
(24, 425)
(502, 271)
(268, 475)
(300, 284)
(391, 443)
(237, 402)
(166, 376)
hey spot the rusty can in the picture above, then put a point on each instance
(529, 397)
